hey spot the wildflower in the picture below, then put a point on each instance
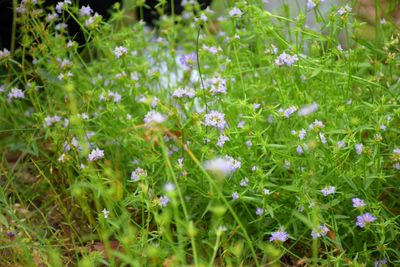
(341, 144)
(137, 174)
(235, 195)
(329, 190)
(61, 5)
(240, 124)
(308, 109)
(164, 201)
(383, 21)
(16, 94)
(286, 164)
(222, 166)
(286, 113)
(256, 106)
(106, 213)
(396, 166)
(4, 53)
(235, 12)
(320, 231)
(383, 127)
(359, 149)
(61, 26)
(216, 85)
(316, 125)
(51, 17)
(266, 191)
(299, 150)
(212, 49)
(249, 143)
(358, 203)
(270, 119)
(286, 59)
(344, 10)
(380, 263)
(169, 187)
(302, 134)
(215, 119)
(188, 60)
(62, 158)
(322, 138)
(96, 154)
(153, 117)
(222, 139)
(259, 211)
(244, 182)
(49, 121)
(119, 51)
(279, 236)
(85, 11)
(364, 220)
(311, 4)
(184, 92)
(93, 21)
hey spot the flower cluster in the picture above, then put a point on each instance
(222, 166)
(365, 219)
(15, 93)
(184, 92)
(119, 51)
(137, 174)
(286, 59)
(96, 154)
(215, 119)
(279, 236)
(320, 231)
(216, 85)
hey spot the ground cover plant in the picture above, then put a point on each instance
(233, 137)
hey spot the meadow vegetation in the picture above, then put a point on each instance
(238, 137)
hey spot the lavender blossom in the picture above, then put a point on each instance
(96, 154)
(358, 203)
(328, 190)
(215, 119)
(279, 236)
(320, 231)
(364, 220)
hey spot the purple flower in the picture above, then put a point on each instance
(137, 174)
(380, 263)
(222, 139)
(310, 4)
(215, 119)
(320, 231)
(235, 12)
(359, 149)
(340, 144)
(216, 85)
(286, 59)
(299, 150)
(358, 203)
(164, 200)
(235, 195)
(328, 190)
(188, 60)
(365, 220)
(153, 117)
(184, 92)
(279, 236)
(259, 211)
(96, 154)
(15, 94)
(244, 182)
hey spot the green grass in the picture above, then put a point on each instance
(57, 207)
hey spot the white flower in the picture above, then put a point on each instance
(308, 109)
(106, 213)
